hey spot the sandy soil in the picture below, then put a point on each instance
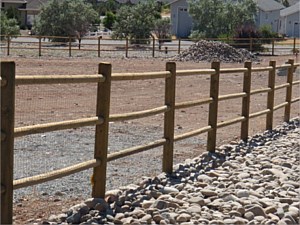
(41, 104)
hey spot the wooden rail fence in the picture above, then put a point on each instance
(100, 46)
(103, 116)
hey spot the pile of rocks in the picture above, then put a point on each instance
(215, 51)
(242, 183)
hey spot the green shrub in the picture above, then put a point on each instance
(109, 20)
(8, 26)
(244, 35)
(267, 34)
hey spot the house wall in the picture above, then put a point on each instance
(290, 25)
(269, 18)
(5, 6)
(180, 19)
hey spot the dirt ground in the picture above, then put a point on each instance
(41, 104)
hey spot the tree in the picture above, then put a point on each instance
(109, 20)
(212, 18)
(102, 7)
(162, 30)
(284, 2)
(65, 18)
(137, 21)
(8, 26)
(13, 13)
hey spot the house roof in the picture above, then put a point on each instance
(172, 1)
(13, 1)
(269, 5)
(293, 2)
(35, 4)
(290, 10)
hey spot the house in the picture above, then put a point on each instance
(7, 5)
(32, 9)
(180, 19)
(268, 13)
(289, 23)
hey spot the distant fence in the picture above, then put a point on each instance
(101, 120)
(101, 45)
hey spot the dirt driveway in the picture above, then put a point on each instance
(41, 104)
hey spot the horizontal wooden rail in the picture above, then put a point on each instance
(139, 114)
(134, 150)
(281, 86)
(140, 76)
(283, 66)
(2, 189)
(263, 112)
(296, 82)
(192, 133)
(193, 103)
(232, 96)
(48, 127)
(233, 70)
(230, 122)
(58, 79)
(262, 90)
(280, 106)
(38, 179)
(297, 64)
(195, 72)
(295, 100)
(55, 49)
(24, 48)
(259, 69)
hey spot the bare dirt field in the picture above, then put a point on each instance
(41, 104)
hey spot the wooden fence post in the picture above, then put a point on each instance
(153, 46)
(101, 139)
(70, 47)
(8, 44)
(251, 44)
(7, 140)
(213, 107)
(246, 101)
(273, 46)
(169, 118)
(40, 46)
(179, 45)
(126, 48)
(271, 94)
(288, 99)
(99, 45)
(294, 46)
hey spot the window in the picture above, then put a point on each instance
(183, 9)
(267, 16)
(2, 5)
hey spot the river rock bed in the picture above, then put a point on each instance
(254, 182)
(214, 50)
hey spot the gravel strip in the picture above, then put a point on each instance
(242, 183)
